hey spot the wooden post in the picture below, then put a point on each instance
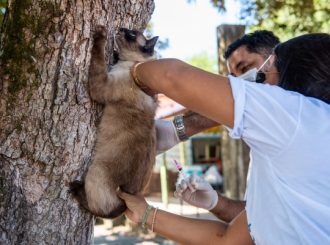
(235, 153)
(164, 181)
(183, 153)
(226, 35)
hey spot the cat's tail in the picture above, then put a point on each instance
(77, 189)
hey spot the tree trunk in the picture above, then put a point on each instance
(47, 119)
(235, 153)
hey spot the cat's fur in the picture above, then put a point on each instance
(125, 147)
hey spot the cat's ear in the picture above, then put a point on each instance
(150, 44)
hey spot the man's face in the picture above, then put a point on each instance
(241, 60)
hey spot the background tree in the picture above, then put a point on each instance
(234, 153)
(287, 19)
(47, 120)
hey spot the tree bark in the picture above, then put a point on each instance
(235, 153)
(47, 119)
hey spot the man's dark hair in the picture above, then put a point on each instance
(260, 42)
(303, 65)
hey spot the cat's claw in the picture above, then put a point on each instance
(100, 32)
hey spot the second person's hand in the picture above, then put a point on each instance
(136, 206)
(197, 192)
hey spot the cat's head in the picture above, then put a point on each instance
(132, 45)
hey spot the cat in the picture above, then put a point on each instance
(125, 148)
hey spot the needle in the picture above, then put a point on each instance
(179, 168)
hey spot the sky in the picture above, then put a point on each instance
(190, 27)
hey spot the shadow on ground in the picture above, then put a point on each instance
(123, 235)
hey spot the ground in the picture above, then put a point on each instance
(108, 233)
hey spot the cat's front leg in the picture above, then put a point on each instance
(98, 69)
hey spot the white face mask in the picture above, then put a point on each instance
(250, 75)
(254, 74)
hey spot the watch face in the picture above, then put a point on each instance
(180, 129)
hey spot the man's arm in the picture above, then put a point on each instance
(196, 231)
(195, 123)
(200, 91)
(227, 209)
(168, 132)
(188, 230)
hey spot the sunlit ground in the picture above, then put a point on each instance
(126, 235)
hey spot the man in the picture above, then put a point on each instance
(247, 53)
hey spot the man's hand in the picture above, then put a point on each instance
(197, 192)
(166, 135)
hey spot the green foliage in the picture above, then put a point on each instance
(219, 4)
(20, 31)
(3, 4)
(204, 61)
(289, 18)
(17, 51)
(286, 18)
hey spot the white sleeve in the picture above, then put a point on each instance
(266, 117)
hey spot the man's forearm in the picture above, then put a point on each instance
(187, 230)
(195, 123)
(227, 209)
(197, 231)
(189, 85)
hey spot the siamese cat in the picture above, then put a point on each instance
(126, 139)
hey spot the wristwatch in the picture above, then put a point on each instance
(180, 129)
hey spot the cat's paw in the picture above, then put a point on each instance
(100, 33)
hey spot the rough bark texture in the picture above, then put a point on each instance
(47, 119)
(235, 153)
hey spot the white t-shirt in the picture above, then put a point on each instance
(288, 184)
